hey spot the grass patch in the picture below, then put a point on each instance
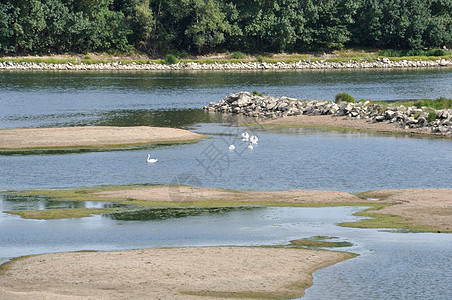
(50, 214)
(345, 55)
(320, 242)
(438, 103)
(391, 222)
(414, 52)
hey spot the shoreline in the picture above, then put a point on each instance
(330, 122)
(301, 64)
(91, 137)
(182, 273)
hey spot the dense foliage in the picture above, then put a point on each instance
(162, 26)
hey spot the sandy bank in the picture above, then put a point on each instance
(176, 273)
(185, 194)
(421, 207)
(90, 137)
(333, 122)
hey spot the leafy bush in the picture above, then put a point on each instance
(238, 55)
(171, 59)
(257, 93)
(344, 97)
(431, 116)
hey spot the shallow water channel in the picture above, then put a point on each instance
(390, 265)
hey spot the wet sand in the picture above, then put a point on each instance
(172, 273)
(332, 122)
(91, 137)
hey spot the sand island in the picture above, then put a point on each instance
(91, 137)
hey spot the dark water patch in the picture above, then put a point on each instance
(169, 213)
(33, 202)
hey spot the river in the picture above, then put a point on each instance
(390, 264)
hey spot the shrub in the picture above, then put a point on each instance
(170, 59)
(257, 93)
(431, 116)
(238, 55)
(344, 97)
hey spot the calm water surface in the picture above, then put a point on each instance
(46, 99)
(390, 265)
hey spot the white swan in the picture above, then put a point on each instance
(250, 146)
(245, 136)
(254, 139)
(151, 160)
(231, 147)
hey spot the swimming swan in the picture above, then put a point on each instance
(245, 136)
(254, 139)
(151, 160)
(250, 146)
(231, 148)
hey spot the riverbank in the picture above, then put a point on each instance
(220, 64)
(415, 210)
(363, 115)
(171, 273)
(91, 137)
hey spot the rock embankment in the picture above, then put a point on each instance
(425, 119)
(298, 65)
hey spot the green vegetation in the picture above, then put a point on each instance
(49, 214)
(412, 52)
(131, 209)
(199, 26)
(238, 55)
(257, 93)
(320, 242)
(391, 222)
(431, 116)
(439, 103)
(344, 97)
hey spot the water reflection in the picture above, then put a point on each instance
(11, 201)
(170, 213)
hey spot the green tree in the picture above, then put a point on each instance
(328, 23)
(367, 29)
(439, 27)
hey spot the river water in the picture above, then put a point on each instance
(390, 265)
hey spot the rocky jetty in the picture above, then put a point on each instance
(426, 119)
(298, 65)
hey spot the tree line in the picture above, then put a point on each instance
(200, 26)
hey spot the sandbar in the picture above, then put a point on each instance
(166, 273)
(192, 194)
(431, 207)
(91, 137)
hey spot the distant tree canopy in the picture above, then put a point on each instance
(197, 26)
